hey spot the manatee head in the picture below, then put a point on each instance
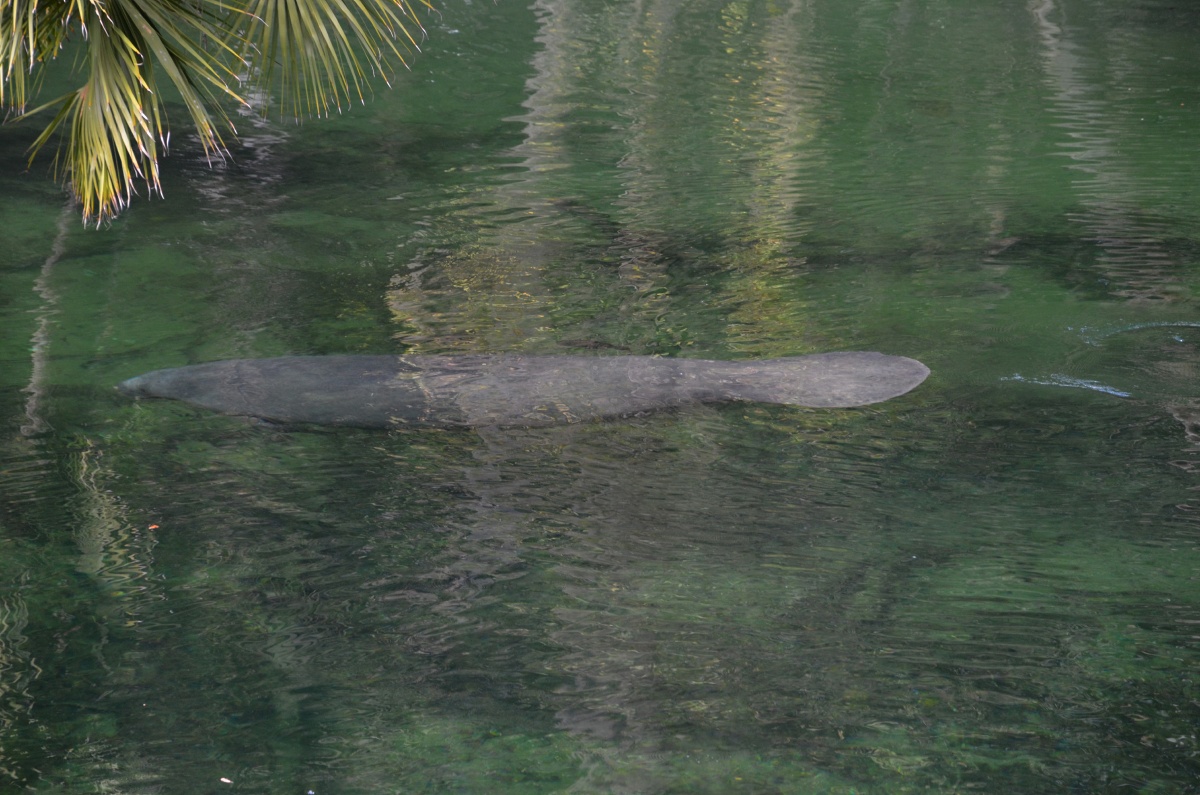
(213, 386)
(326, 390)
(139, 387)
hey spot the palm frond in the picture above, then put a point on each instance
(323, 51)
(111, 138)
(113, 126)
(114, 123)
(169, 35)
(30, 32)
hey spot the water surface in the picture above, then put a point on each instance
(991, 584)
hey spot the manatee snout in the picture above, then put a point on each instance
(158, 384)
(133, 387)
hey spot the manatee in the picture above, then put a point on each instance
(517, 390)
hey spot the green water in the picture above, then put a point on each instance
(989, 585)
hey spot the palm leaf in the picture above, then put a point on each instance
(30, 31)
(322, 52)
(111, 138)
(114, 122)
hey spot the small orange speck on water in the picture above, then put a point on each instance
(152, 527)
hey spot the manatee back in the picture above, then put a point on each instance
(517, 390)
